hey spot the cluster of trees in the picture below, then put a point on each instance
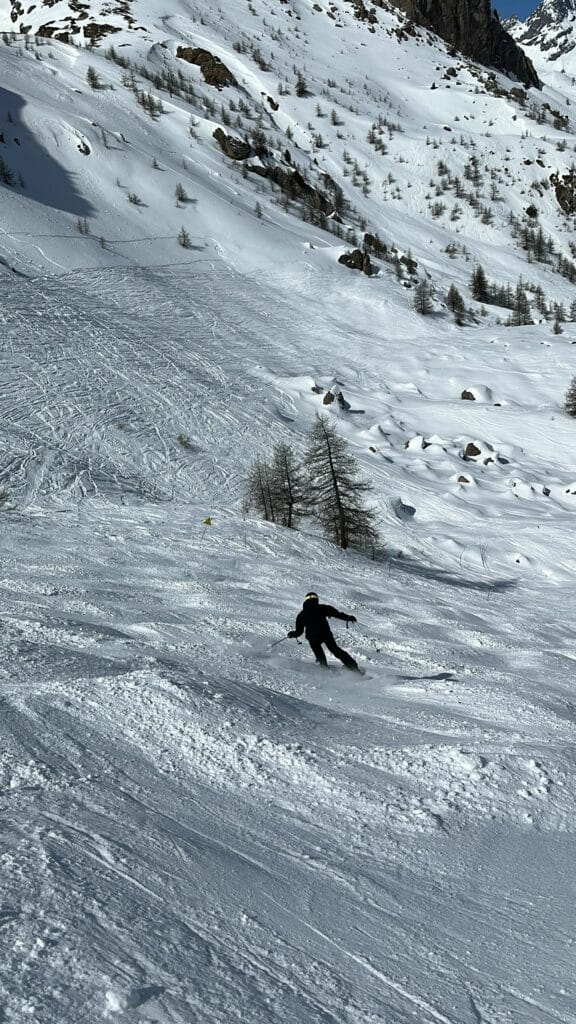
(517, 300)
(541, 248)
(502, 295)
(324, 485)
(473, 196)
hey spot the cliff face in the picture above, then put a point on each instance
(473, 28)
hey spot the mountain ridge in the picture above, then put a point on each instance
(549, 31)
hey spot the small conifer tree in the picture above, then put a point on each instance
(287, 484)
(423, 298)
(335, 492)
(301, 86)
(479, 285)
(260, 492)
(455, 304)
(93, 78)
(570, 399)
(6, 175)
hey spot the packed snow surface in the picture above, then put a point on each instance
(197, 827)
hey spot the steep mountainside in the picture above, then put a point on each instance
(550, 29)
(342, 130)
(473, 28)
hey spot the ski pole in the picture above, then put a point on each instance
(275, 644)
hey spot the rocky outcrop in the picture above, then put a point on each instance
(357, 260)
(236, 149)
(214, 71)
(565, 189)
(364, 13)
(473, 28)
(294, 185)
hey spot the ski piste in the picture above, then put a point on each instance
(191, 830)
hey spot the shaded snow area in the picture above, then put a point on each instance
(197, 828)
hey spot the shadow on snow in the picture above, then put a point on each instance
(410, 567)
(45, 180)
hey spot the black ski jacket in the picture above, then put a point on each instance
(313, 620)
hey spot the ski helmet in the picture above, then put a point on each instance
(311, 596)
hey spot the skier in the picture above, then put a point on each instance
(312, 620)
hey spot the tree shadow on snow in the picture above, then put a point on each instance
(45, 180)
(438, 676)
(410, 567)
(139, 996)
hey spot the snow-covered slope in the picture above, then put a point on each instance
(196, 826)
(383, 131)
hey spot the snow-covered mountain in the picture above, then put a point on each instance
(343, 102)
(549, 33)
(197, 827)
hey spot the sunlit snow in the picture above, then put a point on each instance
(197, 827)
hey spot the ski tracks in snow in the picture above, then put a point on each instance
(196, 829)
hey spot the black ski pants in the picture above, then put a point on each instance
(327, 638)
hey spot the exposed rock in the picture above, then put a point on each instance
(471, 27)
(352, 259)
(357, 260)
(410, 263)
(402, 510)
(565, 189)
(478, 393)
(364, 13)
(549, 27)
(375, 245)
(214, 71)
(471, 451)
(236, 149)
(95, 32)
(295, 186)
(336, 393)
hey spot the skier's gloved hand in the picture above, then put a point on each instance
(351, 618)
(292, 634)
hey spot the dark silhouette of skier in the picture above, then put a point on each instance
(312, 620)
